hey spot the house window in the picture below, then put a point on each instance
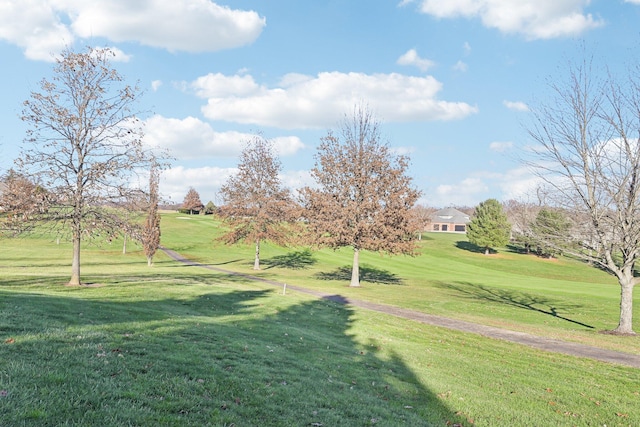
(436, 227)
(460, 228)
(445, 227)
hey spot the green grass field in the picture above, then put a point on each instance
(177, 345)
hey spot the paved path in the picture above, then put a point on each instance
(546, 344)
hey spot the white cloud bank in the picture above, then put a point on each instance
(534, 19)
(191, 138)
(175, 182)
(304, 102)
(44, 27)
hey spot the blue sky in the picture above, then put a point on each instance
(452, 81)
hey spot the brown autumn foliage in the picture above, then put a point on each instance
(363, 197)
(192, 201)
(20, 200)
(257, 207)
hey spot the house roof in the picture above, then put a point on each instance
(450, 216)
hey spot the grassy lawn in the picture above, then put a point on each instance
(180, 346)
(562, 298)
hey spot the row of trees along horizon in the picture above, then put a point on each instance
(83, 150)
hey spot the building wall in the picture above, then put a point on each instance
(448, 227)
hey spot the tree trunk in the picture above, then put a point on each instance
(625, 326)
(124, 244)
(75, 264)
(486, 250)
(149, 261)
(355, 270)
(256, 262)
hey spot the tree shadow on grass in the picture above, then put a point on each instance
(226, 357)
(468, 246)
(367, 274)
(293, 260)
(516, 299)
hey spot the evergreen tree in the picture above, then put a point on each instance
(489, 228)
(209, 208)
(550, 231)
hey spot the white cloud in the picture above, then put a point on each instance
(218, 85)
(175, 182)
(297, 179)
(402, 151)
(632, 1)
(460, 66)
(411, 57)
(535, 19)
(519, 184)
(516, 105)
(34, 26)
(287, 145)
(465, 193)
(467, 48)
(315, 102)
(191, 138)
(45, 27)
(500, 146)
(155, 85)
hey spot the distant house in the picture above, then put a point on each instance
(450, 220)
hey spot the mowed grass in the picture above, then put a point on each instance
(559, 298)
(179, 345)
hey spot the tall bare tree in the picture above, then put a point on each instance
(84, 145)
(587, 152)
(256, 204)
(192, 201)
(150, 234)
(364, 196)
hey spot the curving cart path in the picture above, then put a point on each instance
(541, 343)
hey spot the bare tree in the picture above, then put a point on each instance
(364, 196)
(84, 145)
(192, 202)
(257, 206)
(422, 218)
(521, 215)
(150, 234)
(588, 154)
